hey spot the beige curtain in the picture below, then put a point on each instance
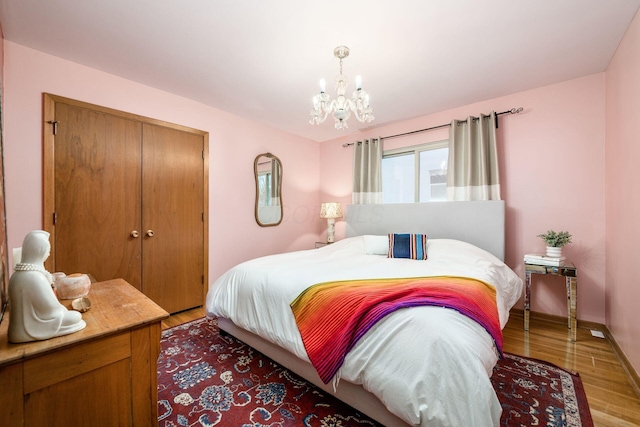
(276, 177)
(473, 159)
(367, 172)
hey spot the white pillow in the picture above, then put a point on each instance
(376, 245)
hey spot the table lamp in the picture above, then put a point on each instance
(330, 211)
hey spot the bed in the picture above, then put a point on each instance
(442, 378)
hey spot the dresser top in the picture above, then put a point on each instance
(115, 306)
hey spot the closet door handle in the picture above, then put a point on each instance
(135, 234)
(150, 233)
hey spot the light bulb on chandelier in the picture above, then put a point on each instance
(341, 107)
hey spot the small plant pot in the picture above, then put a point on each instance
(554, 252)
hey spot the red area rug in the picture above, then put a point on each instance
(208, 378)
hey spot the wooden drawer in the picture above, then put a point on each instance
(74, 361)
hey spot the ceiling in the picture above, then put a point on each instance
(263, 59)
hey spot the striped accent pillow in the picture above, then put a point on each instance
(413, 246)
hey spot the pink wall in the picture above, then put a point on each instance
(622, 194)
(233, 144)
(552, 173)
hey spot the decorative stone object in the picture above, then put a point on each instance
(35, 313)
(81, 304)
(72, 286)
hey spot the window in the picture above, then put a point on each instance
(415, 174)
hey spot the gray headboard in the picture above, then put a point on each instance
(479, 222)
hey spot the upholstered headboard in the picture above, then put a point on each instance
(479, 222)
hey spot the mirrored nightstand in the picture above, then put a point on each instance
(570, 273)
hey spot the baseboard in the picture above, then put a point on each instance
(550, 318)
(635, 378)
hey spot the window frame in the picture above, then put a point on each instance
(415, 150)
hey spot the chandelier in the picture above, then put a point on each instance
(341, 107)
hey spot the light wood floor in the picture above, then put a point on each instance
(183, 317)
(610, 392)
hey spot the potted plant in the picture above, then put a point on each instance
(555, 241)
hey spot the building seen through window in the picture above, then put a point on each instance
(415, 174)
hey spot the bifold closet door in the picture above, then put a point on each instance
(172, 217)
(97, 194)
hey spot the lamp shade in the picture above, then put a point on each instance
(330, 210)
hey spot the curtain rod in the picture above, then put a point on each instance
(511, 111)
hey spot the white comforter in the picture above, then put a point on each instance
(430, 366)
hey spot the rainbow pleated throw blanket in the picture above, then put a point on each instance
(333, 316)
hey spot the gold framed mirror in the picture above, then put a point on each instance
(267, 170)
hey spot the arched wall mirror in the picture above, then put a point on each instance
(267, 170)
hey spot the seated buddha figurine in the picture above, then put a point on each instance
(35, 312)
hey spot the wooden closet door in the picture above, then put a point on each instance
(173, 217)
(97, 194)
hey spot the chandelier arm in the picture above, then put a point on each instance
(317, 117)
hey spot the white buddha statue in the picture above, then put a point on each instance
(35, 313)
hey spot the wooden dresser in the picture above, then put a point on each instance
(104, 375)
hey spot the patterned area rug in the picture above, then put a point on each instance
(538, 393)
(208, 378)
